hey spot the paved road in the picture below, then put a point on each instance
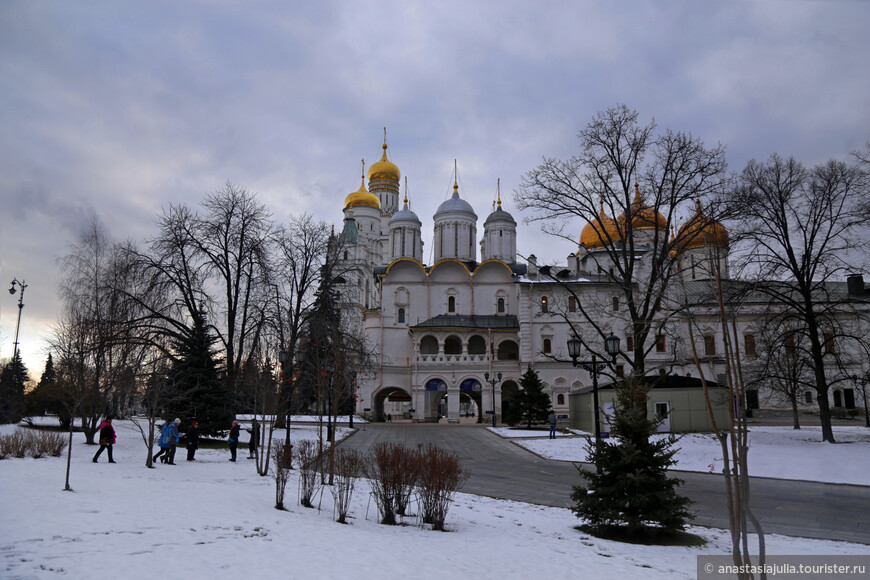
(504, 470)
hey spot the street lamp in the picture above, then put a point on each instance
(863, 396)
(611, 345)
(284, 357)
(329, 368)
(493, 381)
(12, 290)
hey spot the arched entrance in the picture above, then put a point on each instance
(509, 391)
(393, 401)
(470, 403)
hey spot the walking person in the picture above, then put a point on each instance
(107, 439)
(552, 420)
(233, 439)
(255, 439)
(174, 436)
(163, 443)
(192, 440)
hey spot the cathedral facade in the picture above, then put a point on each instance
(453, 338)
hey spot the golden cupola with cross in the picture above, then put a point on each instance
(384, 179)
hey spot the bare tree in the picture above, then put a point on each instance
(645, 178)
(797, 228)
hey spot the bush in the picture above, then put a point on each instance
(282, 456)
(36, 444)
(14, 445)
(310, 463)
(440, 475)
(392, 471)
(348, 466)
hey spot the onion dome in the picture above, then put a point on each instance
(500, 217)
(591, 236)
(456, 205)
(384, 169)
(361, 197)
(702, 230)
(643, 216)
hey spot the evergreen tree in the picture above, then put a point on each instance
(532, 404)
(48, 396)
(12, 381)
(633, 490)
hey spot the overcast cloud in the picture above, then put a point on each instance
(120, 108)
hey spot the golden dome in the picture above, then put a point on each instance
(702, 230)
(590, 236)
(384, 169)
(362, 197)
(644, 217)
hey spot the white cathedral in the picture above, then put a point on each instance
(454, 337)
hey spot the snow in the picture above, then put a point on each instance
(780, 452)
(215, 519)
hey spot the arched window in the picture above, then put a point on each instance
(548, 346)
(501, 305)
(452, 345)
(560, 399)
(429, 345)
(401, 316)
(710, 345)
(749, 344)
(476, 345)
(572, 304)
(545, 306)
(451, 304)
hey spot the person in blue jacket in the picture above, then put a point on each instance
(233, 440)
(174, 437)
(168, 440)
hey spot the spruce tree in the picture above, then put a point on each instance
(532, 404)
(633, 490)
(12, 381)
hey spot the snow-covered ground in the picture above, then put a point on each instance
(780, 452)
(215, 519)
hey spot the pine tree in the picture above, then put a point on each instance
(531, 404)
(48, 396)
(633, 490)
(12, 381)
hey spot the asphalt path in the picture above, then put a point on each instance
(501, 469)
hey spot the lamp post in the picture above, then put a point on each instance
(284, 357)
(329, 369)
(12, 290)
(611, 345)
(863, 396)
(493, 381)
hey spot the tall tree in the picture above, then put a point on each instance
(13, 379)
(798, 228)
(531, 404)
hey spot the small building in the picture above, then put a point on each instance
(677, 401)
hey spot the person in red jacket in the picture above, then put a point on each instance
(107, 439)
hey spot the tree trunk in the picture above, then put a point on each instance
(794, 413)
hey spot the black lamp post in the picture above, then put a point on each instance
(611, 345)
(286, 380)
(492, 381)
(863, 396)
(329, 368)
(12, 290)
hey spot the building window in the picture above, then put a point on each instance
(545, 307)
(548, 346)
(790, 344)
(616, 303)
(620, 371)
(401, 316)
(749, 344)
(709, 345)
(501, 305)
(629, 343)
(345, 255)
(830, 344)
(451, 304)
(662, 372)
(838, 398)
(808, 397)
(661, 345)
(560, 399)
(572, 304)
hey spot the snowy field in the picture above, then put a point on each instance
(780, 452)
(215, 519)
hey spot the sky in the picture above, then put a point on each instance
(118, 109)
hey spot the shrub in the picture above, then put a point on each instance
(14, 445)
(440, 475)
(310, 460)
(348, 466)
(392, 471)
(282, 456)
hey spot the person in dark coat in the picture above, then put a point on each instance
(255, 438)
(552, 420)
(192, 440)
(107, 439)
(234, 439)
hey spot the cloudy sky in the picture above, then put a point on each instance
(121, 108)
